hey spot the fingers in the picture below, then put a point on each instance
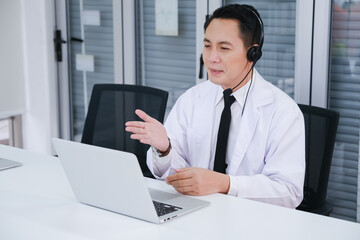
(140, 124)
(188, 190)
(142, 138)
(137, 124)
(180, 174)
(136, 130)
(182, 183)
(150, 131)
(139, 136)
(144, 116)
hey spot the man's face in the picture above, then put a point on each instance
(224, 53)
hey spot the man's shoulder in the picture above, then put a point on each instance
(269, 93)
(201, 90)
(269, 89)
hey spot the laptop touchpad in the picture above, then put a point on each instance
(161, 195)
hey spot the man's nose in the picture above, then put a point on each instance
(214, 56)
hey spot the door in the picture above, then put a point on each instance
(92, 49)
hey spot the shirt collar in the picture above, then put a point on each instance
(239, 95)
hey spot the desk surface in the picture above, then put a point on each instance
(36, 202)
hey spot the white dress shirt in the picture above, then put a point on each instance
(266, 145)
(236, 112)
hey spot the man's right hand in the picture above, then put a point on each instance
(150, 131)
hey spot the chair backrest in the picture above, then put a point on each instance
(320, 132)
(111, 106)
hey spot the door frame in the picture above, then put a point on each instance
(63, 74)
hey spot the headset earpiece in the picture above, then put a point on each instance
(254, 54)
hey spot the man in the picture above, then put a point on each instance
(261, 155)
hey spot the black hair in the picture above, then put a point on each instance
(250, 27)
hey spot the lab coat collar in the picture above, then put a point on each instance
(262, 95)
(259, 96)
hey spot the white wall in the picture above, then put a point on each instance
(27, 69)
(40, 120)
(12, 100)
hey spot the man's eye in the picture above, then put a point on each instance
(206, 46)
(224, 48)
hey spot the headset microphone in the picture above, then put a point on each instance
(231, 89)
(252, 66)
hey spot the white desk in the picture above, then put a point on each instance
(36, 202)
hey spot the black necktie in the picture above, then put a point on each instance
(222, 139)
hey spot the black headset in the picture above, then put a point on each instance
(255, 52)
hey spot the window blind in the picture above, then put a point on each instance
(277, 65)
(166, 62)
(98, 41)
(345, 98)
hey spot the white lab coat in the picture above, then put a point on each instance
(269, 163)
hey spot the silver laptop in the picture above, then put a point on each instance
(6, 164)
(113, 180)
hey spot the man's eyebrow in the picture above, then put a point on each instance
(225, 42)
(222, 42)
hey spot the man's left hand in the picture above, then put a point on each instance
(198, 181)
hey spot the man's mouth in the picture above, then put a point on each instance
(214, 71)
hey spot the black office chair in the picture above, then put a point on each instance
(111, 106)
(320, 132)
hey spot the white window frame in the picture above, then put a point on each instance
(124, 44)
(303, 51)
(321, 53)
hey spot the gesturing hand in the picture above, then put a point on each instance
(150, 131)
(198, 181)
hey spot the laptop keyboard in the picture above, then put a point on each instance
(162, 208)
